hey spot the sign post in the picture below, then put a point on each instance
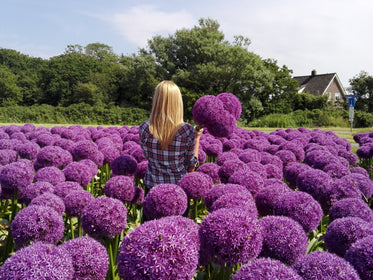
(351, 105)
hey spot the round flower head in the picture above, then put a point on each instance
(141, 169)
(7, 156)
(104, 216)
(283, 239)
(51, 200)
(317, 183)
(124, 165)
(86, 149)
(295, 148)
(221, 158)
(15, 176)
(301, 207)
(351, 207)
(257, 143)
(273, 172)
(75, 201)
(258, 168)
(286, 156)
(360, 170)
(89, 257)
(292, 170)
(268, 158)
(165, 200)
(250, 179)
(213, 150)
(268, 197)
(364, 183)
(326, 266)
(360, 256)
(37, 223)
(228, 168)
(39, 261)
(350, 156)
(364, 151)
(342, 232)
(229, 236)
(64, 188)
(195, 184)
(52, 156)
(110, 153)
(50, 174)
(28, 150)
(33, 190)
(336, 170)
(222, 189)
(236, 200)
(210, 169)
(231, 103)
(264, 269)
(120, 187)
(344, 187)
(92, 166)
(221, 124)
(78, 172)
(202, 156)
(44, 139)
(139, 196)
(205, 107)
(159, 249)
(249, 155)
(230, 144)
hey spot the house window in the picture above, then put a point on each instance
(337, 96)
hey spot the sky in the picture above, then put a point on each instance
(333, 36)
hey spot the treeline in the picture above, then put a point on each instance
(200, 60)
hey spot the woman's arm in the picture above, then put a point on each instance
(199, 132)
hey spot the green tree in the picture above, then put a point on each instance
(87, 93)
(10, 93)
(101, 52)
(362, 84)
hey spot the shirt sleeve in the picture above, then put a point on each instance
(190, 159)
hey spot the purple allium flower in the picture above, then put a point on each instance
(223, 157)
(294, 147)
(196, 184)
(273, 171)
(301, 207)
(50, 174)
(283, 239)
(64, 188)
(51, 200)
(7, 156)
(65, 144)
(86, 149)
(78, 172)
(342, 232)
(222, 189)
(212, 170)
(89, 257)
(15, 176)
(33, 190)
(250, 179)
(336, 170)
(257, 143)
(231, 103)
(120, 187)
(360, 170)
(228, 168)
(364, 183)
(350, 156)
(264, 269)
(249, 155)
(326, 266)
(213, 149)
(39, 261)
(104, 216)
(236, 200)
(37, 223)
(139, 196)
(318, 184)
(345, 187)
(268, 197)
(28, 150)
(6, 144)
(268, 158)
(202, 156)
(137, 153)
(110, 153)
(92, 166)
(159, 249)
(44, 139)
(52, 156)
(124, 165)
(165, 200)
(276, 139)
(360, 256)
(364, 151)
(229, 236)
(230, 144)
(319, 158)
(75, 201)
(141, 169)
(258, 168)
(351, 207)
(286, 156)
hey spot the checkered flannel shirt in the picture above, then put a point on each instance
(169, 165)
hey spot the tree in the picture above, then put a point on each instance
(87, 93)
(101, 52)
(362, 84)
(10, 93)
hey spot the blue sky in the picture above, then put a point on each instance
(329, 36)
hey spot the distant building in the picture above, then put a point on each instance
(320, 84)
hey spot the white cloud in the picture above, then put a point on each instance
(141, 23)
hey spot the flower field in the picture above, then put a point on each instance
(286, 204)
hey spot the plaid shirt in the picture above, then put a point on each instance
(169, 165)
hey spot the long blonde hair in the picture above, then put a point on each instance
(167, 113)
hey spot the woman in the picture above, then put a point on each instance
(169, 144)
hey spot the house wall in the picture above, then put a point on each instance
(334, 91)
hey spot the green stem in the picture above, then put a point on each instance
(71, 228)
(111, 272)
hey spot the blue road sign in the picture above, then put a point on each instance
(351, 101)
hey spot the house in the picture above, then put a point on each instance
(319, 84)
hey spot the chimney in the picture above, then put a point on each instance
(313, 73)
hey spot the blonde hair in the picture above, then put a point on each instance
(167, 113)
